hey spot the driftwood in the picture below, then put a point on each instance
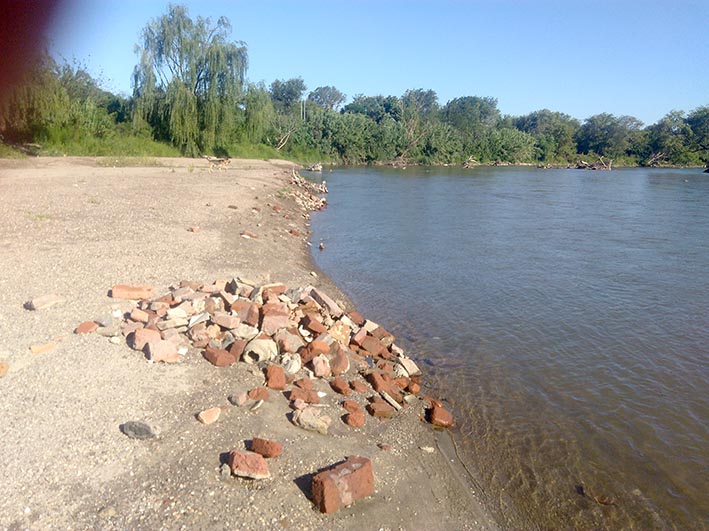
(600, 165)
(471, 162)
(218, 163)
(656, 158)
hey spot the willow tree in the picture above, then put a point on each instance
(189, 79)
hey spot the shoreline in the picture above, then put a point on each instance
(76, 228)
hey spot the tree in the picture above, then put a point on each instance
(31, 108)
(667, 140)
(423, 102)
(258, 113)
(474, 117)
(287, 94)
(188, 80)
(327, 97)
(608, 135)
(553, 134)
(698, 121)
(375, 107)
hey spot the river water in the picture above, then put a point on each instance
(564, 316)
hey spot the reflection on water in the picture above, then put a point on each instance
(566, 317)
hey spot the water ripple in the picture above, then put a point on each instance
(564, 314)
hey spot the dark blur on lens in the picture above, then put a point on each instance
(23, 25)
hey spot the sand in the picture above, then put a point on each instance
(74, 227)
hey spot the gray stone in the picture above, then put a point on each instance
(244, 331)
(177, 322)
(199, 318)
(109, 331)
(409, 365)
(260, 349)
(176, 313)
(43, 302)
(393, 403)
(138, 430)
(292, 363)
(104, 320)
(309, 418)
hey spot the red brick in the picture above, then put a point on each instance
(439, 416)
(401, 383)
(237, 348)
(381, 410)
(266, 447)
(351, 406)
(413, 388)
(209, 416)
(139, 316)
(383, 335)
(312, 349)
(248, 464)
(86, 327)
(274, 316)
(340, 386)
(355, 419)
(359, 337)
(219, 357)
(165, 351)
(356, 318)
(307, 396)
(121, 291)
(304, 383)
(247, 311)
(340, 362)
(275, 377)
(343, 484)
(312, 324)
(376, 380)
(226, 320)
(373, 346)
(143, 336)
(358, 386)
(259, 393)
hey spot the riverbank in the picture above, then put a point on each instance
(75, 227)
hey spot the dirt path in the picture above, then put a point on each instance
(76, 227)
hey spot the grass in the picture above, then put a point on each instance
(253, 151)
(8, 152)
(113, 146)
(37, 216)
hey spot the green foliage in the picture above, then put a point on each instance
(259, 114)
(189, 97)
(189, 79)
(287, 94)
(698, 121)
(115, 145)
(8, 152)
(553, 134)
(327, 97)
(608, 135)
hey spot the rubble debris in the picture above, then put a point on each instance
(343, 484)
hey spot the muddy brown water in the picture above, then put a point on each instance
(564, 315)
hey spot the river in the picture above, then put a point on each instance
(563, 315)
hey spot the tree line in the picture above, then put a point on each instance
(190, 96)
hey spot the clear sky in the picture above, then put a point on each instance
(637, 57)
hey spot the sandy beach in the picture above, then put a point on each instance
(75, 227)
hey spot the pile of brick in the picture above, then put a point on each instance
(295, 336)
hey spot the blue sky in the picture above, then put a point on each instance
(637, 57)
